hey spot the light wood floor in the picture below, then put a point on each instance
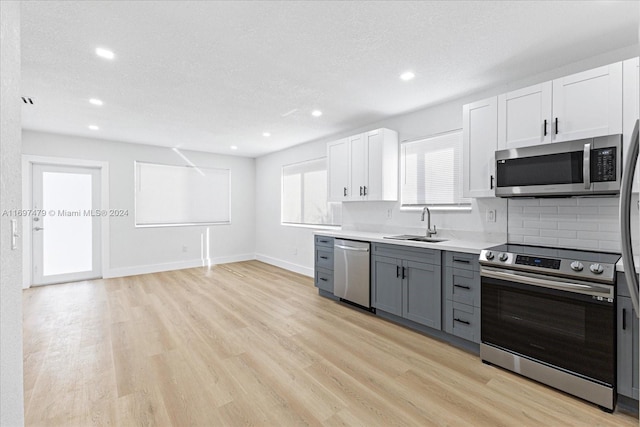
(251, 344)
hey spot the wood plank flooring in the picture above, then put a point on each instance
(251, 344)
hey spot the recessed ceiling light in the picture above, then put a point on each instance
(104, 53)
(234, 147)
(94, 127)
(407, 75)
(266, 134)
(96, 101)
(316, 113)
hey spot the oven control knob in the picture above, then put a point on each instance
(489, 255)
(577, 266)
(596, 268)
(503, 257)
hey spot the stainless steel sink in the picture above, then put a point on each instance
(414, 238)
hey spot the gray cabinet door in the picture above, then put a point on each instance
(387, 284)
(422, 293)
(627, 349)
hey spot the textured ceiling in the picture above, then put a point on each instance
(208, 75)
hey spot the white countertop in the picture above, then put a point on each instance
(636, 261)
(453, 244)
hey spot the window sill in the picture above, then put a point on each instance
(315, 226)
(437, 208)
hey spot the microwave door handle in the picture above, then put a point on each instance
(586, 166)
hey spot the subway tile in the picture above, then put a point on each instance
(578, 225)
(578, 243)
(537, 240)
(541, 209)
(597, 218)
(541, 224)
(515, 209)
(590, 210)
(558, 217)
(567, 234)
(524, 231)
(515, 238)
(597, 235)
(609, 210)
(559, 202)
(609, 226)
(598, 201)
(514, 223)
(610, 246)
(523, 202)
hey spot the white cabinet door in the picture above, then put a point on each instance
(338, 170)
(588, 104)
(480, 136)
(630, 105)
(382, 165)
(524, 117)
(358, 155)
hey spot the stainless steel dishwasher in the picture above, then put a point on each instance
(351, 271)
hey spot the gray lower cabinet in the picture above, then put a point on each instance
(462, 295)
(323, 265)
(628, 329)
(406, 282)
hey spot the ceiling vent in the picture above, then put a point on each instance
(27, 100)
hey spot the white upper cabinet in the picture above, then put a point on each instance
(588, 104)
(630, 105)
(582, 105)
(524, 116)
(480, 141)
(364, 167)
(338, 170)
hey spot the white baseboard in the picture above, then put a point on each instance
(286, 265)
(169, 266)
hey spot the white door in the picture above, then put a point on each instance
(480, 139)
(524, 117)
(588, 104)
(66, 230)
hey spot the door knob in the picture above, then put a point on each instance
(38, 228)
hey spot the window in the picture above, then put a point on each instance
(181, 195)
(432, 172)
(304, 195)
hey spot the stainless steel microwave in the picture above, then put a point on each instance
(583, 167)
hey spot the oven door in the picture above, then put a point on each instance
(573, 329)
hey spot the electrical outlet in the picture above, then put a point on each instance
(389, 213)
(185, 248)
(491, 215)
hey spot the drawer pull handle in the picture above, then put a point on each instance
(397, 271)
(323, 241)
(464, 261)
(461, 321)
(462, 286)
(324, 257)
(323, 279)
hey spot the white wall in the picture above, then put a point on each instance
(292, 247)
(11, 388)
(140, 250)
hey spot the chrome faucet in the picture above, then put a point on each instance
(430, 232)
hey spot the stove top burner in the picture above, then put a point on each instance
(572, 263)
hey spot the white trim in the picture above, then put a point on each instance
(28, 161)
(314, 226)
(296, 268)
(177, 265)
(459, 208)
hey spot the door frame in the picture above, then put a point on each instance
(28, 161)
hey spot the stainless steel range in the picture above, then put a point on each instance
(549, 314)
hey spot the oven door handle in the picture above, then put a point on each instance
(604, 291)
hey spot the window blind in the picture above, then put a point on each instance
(304, 195)
(432, 171)
(181, 195)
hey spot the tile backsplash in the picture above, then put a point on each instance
(583, 223)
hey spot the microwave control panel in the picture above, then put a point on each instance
(603, 164)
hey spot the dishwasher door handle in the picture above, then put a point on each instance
(351, 248)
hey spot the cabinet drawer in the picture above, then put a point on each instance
(410, 253)
(462, 286)
(462, 260)
(324, 258)
(324, 241)
(463, 321)
(324, 280)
